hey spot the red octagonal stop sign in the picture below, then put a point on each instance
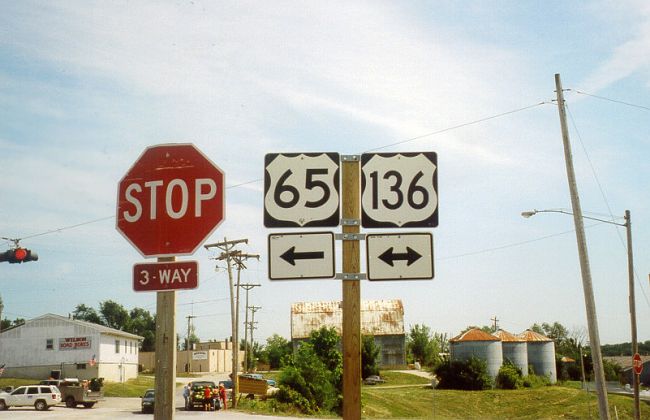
(170, 200)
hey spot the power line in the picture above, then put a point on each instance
(455, 127)
(602, 193)
(609, 99)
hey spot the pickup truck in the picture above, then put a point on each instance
(197, 390)
(73, 393)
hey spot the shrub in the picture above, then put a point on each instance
(310, 377)
(509, 376)
(467, 375)
(534, 381)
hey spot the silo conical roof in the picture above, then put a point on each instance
(530, 336)
(474, 334)
(507, 337)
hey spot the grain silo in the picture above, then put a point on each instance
(515, 349)
(541, 354)
(481, 345)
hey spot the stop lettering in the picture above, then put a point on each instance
(170, 200)
(177, 188)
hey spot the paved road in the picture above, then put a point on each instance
(120, 408)
(127, 408)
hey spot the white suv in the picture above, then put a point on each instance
(40, 396)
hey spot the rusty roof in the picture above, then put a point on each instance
(474, 334)
(378, 317)
(532, 336)
(507, 337)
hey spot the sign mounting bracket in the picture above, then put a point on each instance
(350, 236)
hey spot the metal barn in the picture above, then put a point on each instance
(383, 319)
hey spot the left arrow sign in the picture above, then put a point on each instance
(410, 256)
(301, 255)
(291, 255)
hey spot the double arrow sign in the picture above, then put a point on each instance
(389, 256)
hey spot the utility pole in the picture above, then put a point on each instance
(187, 344)
(635, 344)
(228, 252)
(252, 326)
(590, 304)
(494, 323)
(239, 262)
(247, 287)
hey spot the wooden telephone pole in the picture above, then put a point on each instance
(228, 253)
(247, 287)
(590, 303)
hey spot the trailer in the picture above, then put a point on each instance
(74, 393)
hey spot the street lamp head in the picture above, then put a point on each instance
(528, 214)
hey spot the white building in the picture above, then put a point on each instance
(76, 348)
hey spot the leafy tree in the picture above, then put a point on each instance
(6, 324)
(114, 315)
(144, 324)
(485, 328)
(369, 356)
(307, 382)
(253, 351)
(111, 314)
(276, 349)
(422, 346)
(311, 378)
(86, 313)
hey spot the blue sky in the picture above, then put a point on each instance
(86, 86)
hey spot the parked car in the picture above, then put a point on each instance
(373, 380)
(148, 400)
(42, 397)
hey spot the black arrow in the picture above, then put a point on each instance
(409, 256)
(291, 255)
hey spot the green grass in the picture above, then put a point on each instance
(414, 399)
(400, 378)
(16, 382)
(550, 402)
(131, 388)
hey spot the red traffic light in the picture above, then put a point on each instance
(20, 254)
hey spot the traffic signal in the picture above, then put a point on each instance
(18, 255)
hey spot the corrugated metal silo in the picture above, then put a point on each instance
(479, 344)
(515, 349)
(541, 354)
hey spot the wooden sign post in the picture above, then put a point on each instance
(351, 292)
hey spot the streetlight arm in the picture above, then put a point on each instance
(528, 214)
